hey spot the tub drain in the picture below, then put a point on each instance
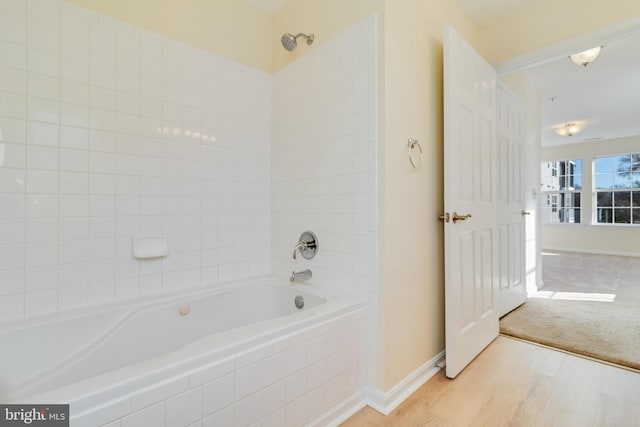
(299, 302)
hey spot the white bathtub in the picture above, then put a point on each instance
(90, 357)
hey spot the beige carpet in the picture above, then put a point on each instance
(590, 306)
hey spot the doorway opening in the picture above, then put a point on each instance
(584, 186)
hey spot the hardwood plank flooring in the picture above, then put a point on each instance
(514, 383)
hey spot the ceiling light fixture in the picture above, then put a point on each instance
(586, 57)
(568, 129)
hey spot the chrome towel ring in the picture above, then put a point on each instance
(413, 143)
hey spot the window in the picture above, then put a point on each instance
(617, 189)
(561, 190)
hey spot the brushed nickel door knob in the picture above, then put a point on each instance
(457, 217)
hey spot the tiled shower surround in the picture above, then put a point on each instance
(107, 131)
(323, 154)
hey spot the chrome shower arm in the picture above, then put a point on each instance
(309, 38)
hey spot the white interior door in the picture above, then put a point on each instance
(471, 244)
(511, 213)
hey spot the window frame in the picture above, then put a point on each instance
(596, 191)
(553, 197)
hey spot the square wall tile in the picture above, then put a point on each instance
(12, 307)
(12, 281)
(104, 134)
(224, 417)
(41, 302)
(248, 410)
(184, 408)
(218, 394)
(151, 416)
(248, 380)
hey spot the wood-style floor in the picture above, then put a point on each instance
(514, 383)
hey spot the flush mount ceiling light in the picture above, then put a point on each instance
(568, 129)
(586, 57)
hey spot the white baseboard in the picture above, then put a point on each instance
(342, 411)
(381, 402)
(591, 251)
(387, 402)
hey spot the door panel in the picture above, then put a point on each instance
(471, 244)
(511, 220)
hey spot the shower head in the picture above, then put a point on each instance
(289, 41)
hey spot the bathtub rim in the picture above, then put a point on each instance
(194, 356)
(150, 301)
(29, 385)
(132, 380)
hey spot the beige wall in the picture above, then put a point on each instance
(229, 28)
(587, 237)
(411, 291)
(551, 22)
(325, 18)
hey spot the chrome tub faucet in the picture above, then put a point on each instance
(300, 276)
(301, 246)
(307, 245)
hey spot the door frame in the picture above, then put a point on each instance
(543, 56)
(567, 47)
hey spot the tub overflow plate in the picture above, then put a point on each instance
(299, 302)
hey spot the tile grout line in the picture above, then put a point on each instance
(26, 142)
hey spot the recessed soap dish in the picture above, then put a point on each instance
(150, 246)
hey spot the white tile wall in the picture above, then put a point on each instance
(106, 131)
(324, 154)
(229, 393)
(324, 160)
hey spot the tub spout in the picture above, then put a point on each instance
(300, 276)
(299, 247)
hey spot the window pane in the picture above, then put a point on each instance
(636, 216)
(635, 162)
(549, 216)
(549, 177)
(623, 163)
(622, 198)
(604, 216)
(568, 182)
(556, 205)
(571, 200)
(623, 180)
(635, 199)
(604, 181)
(604, 198)
(570, 215)
(577, 170)
(622, 215)
(603, 164)
(576, 182)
